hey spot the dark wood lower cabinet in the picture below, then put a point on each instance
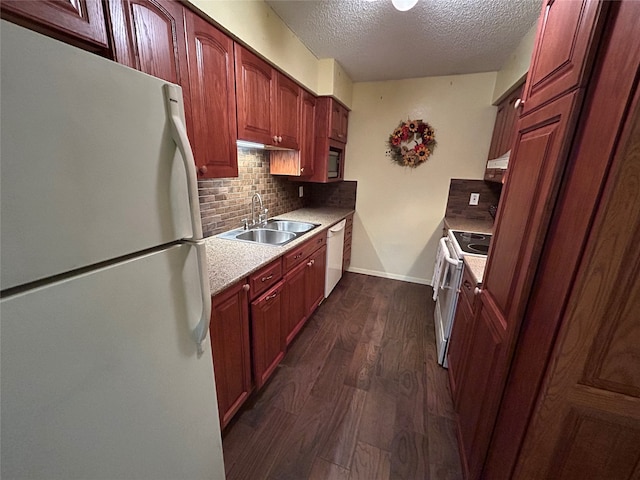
(268, 345)
(294, 298)
(314, 293)
(229, 331)
(304, 290)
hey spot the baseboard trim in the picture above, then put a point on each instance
(391, 276)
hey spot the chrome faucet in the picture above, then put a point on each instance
(262, 212)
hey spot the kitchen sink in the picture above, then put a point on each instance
(273, 232)
(290, 226)
(264, 235)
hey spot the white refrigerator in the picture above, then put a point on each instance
(106, 368)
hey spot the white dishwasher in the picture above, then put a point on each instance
(335, 246)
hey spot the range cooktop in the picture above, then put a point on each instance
(472, 243)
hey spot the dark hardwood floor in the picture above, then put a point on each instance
(359, 395)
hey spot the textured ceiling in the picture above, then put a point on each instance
(373, 41)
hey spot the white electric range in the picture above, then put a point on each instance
(447, 277)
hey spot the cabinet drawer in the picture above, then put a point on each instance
(296, 256)
(468, 287)
(261, 280)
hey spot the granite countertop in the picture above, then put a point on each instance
(231, 260)
(468, 225)
(476, 266)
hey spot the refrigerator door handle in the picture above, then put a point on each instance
(173, 97)
(200, 332)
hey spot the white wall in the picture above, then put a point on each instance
(399, 211)
(516, 67)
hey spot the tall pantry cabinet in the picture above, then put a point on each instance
(551, 388)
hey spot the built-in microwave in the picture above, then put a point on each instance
(334, 164)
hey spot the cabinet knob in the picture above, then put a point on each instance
(310, 264)
(477, 291)
(245, 287)
(519, 103)
(279, 139)
(302, 170)
(203, 170)
(275, 139)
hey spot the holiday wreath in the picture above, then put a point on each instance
(411, 131)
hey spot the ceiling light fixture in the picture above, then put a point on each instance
(404, 5)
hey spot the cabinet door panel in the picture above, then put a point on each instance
(212, 87)
(458, 347)
(149, 35)
(295, 305)
(268, 346)
(255, 96)
(287, 111)
(229, 331)
(481, 389)
(81, 22)
(526, 204)
(307, 134)
(562, 55)
(315, 285)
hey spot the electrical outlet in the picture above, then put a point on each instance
(474, 199)
(301, 191)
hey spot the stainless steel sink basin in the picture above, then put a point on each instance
(274, 232)
(289, 226)
(263, 235)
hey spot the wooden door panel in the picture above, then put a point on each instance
(287, 112)
(81, 21)
(294, 298)
(315, 284)
(268, 345)
(229, 331)
(155, 33)
(525, 208)
(480, 391)
(593, 375)
(149, 35)
(307, 134)
(255, 97)
(212, 87)
(458, 348)
(562, 55)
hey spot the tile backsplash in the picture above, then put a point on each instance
(458, 202)
(224, 202)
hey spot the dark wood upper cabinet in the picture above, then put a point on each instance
(255, 88)
(213, 98)
(503, 133)
(287, 112)
(307, 133)
(339, 122)
(268, 102)
(149, 35)
(78, 22)
(563, 53)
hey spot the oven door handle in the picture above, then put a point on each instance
(447, 255)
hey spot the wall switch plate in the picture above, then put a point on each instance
(301, 191)
(474, 199)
